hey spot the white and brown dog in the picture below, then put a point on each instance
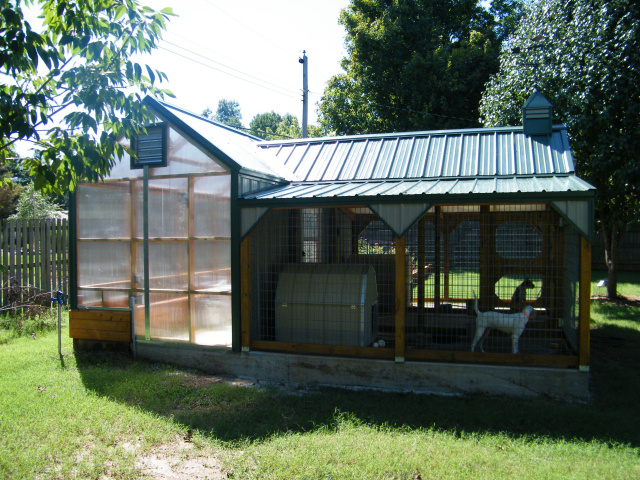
(512, 323)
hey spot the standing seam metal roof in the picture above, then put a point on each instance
(441, 154)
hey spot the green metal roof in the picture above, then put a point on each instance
(439, 154)
(554, 184)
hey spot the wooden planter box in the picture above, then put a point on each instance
(101, 325)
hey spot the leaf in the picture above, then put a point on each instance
(152, 76)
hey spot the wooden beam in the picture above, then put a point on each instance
(245, 292)
(318, 349)
(584, 322)
(401, 298)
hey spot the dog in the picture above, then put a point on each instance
(428, 271)
(519, 297)
(512, 323)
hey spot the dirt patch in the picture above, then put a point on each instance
(179, 461)
(195, 381)
(619, 302)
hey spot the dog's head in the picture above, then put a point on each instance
(528, 284)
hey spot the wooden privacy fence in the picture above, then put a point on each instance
(36, 255)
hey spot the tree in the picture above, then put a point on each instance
(70, 87)
(228, 112)
(414, 64)
(588, 66)
(273, 126)
(9, 193)
(32, 204)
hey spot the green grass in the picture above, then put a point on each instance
(94, 415)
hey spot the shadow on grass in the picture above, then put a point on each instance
(235, 414)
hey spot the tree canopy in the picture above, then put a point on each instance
(228, 112)
(70, 86)
(273, 126)
(586, 61)
(415, 64)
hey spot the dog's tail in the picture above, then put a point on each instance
(475, 303)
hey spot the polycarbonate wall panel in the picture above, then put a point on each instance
(168, 208)
(90, 298)
(170, 316)
(104, 211)
(184, 157)
(212, 265)
(211, 314)
(168, 265)
(211, 204)
(104, 265)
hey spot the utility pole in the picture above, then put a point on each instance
(305, 92)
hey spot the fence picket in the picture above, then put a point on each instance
(35, 253)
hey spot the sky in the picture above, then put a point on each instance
(249, 51)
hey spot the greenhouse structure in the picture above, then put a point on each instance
(441, 262)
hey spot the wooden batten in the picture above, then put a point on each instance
(245, 291)
(401, 298)
(584, 323)
(100, 325)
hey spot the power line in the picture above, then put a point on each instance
(227, 66)
(249, 28)
(226, 73)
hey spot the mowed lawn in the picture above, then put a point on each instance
(96, 415)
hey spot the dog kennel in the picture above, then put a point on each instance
(368, 247)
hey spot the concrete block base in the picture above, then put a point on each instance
(420, 377)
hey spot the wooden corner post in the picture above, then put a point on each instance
(245, 292)
(401, 298)
(584, 322)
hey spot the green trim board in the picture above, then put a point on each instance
(250, 217)
(579, 213)
(399, 217)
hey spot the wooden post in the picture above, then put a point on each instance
(401, 297)
(245, 293)
(422, 234)
(437, 267)
(584, 323)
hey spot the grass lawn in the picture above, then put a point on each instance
(106, 416)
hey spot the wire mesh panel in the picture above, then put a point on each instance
(492, 278)
(496, 278)
(317, 280)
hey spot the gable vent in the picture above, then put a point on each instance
(151, 148)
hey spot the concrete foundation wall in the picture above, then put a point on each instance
(431, 378)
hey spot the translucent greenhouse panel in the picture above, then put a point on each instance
(168, 265)
(168, 208)
(122, 169)
(185, 157)
(169, 316)
(117, 299)
(212, 318)
(90, 298)
(212, 265)
(96, 221)
(104, 265)
(212, 210)
(138, 316)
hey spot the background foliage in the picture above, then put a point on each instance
(587, 63)
(69, 86)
